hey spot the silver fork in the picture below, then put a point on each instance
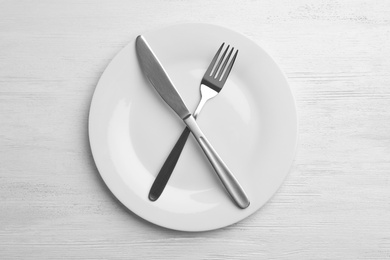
(212, 82)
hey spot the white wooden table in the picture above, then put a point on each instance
(334, 204)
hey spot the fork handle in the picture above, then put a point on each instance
(227, 178)
(165, 173)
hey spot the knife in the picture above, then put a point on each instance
(159, 79)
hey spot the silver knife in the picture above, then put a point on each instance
(154, 71)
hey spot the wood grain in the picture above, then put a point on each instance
(335, 203)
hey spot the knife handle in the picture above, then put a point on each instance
(166, 170)
(227, 178)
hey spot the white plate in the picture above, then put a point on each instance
(252, 124)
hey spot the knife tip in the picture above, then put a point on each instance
(140, 38)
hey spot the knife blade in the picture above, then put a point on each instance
(159, 79)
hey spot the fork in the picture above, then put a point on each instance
(212, 83)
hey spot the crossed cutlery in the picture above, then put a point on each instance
(211, 84)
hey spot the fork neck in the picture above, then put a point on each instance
(206, 94)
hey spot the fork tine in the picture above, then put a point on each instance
(211, 66)
(219, 62)
(218, 77)
(229, 68)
